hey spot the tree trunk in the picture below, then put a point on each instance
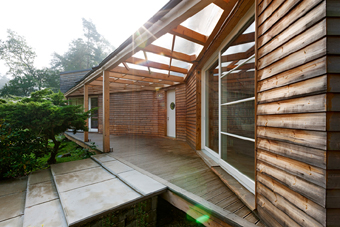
(54, 152)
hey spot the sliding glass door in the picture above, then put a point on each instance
(230, 107)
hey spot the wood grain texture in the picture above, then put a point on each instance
(300, 202)
(304, 154)
(312, 121)
(309, 190)
(86, 108)
(313, 139)
(308, 87)
(309, 104)
(307, 172)
(106, 111)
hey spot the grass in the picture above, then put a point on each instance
(67, 146)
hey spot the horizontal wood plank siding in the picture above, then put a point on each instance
(144, 113)
(298, 121)
(191, 114)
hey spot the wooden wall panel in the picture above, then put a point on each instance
(193, 111)
(144, 113)
(298, 129)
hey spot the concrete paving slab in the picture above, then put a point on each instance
(12, 205)
(47, 214)
(14, 222)
(81, 178)
(92, 200)
(13, 186)
(40, 193)
(143, 183)
(39, 176)
(68, 167)
(103, 158)
(116, 167)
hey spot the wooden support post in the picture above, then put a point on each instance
(86, 108)
(198, 109)
(106, 111)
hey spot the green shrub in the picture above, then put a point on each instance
(19, 150)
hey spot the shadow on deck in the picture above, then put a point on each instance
(176, 165)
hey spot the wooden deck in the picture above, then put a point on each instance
(175, 162)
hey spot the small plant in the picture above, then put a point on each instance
(19, 151)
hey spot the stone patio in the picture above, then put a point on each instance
(73, 193)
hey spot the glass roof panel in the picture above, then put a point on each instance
(164, 41)
(181, 64)
(139, 54)
(159, 70)
(204, 21)
(177, 74)
(158, 58)
(139, 67)
(187, 47)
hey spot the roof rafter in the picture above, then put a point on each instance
(143, 73)
(166, 52)
(189, 34)
(123, 86)
(135, 82)
(238, 56)
(141, 78)
(156, 65)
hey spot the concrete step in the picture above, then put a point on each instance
(43, 206)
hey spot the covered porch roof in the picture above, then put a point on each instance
(169, 47)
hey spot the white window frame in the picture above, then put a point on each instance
(243, 179)
(203, 118)
(92, 129)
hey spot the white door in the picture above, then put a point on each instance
(171, 113)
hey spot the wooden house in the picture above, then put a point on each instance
(253, 84)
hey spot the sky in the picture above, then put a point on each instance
(49, 26)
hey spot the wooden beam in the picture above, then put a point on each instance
(166, 52)
(156, 65)
(141, 78)
(124, 86)
(106, 111)
(245, 38)
(189, 34)
(143, 73)
(126, 66)
(86, 108)
(143, 37)
(125, 81)
(233, 12)
(172, 51)
(238, 56)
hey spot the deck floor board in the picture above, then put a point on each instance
(176, 162)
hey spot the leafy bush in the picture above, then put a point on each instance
(19, 150)
(46, 115)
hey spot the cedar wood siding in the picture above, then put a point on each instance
(298, 140)
(144, 113)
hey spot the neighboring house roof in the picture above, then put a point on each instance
(70, 78)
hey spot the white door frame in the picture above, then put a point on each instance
(171, 133)
(92, 129)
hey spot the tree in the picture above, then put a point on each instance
(19, 58)
(45, 114)
(83, 53)
(3, 80)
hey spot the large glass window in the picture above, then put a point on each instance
(211, 108)
(237, 103)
